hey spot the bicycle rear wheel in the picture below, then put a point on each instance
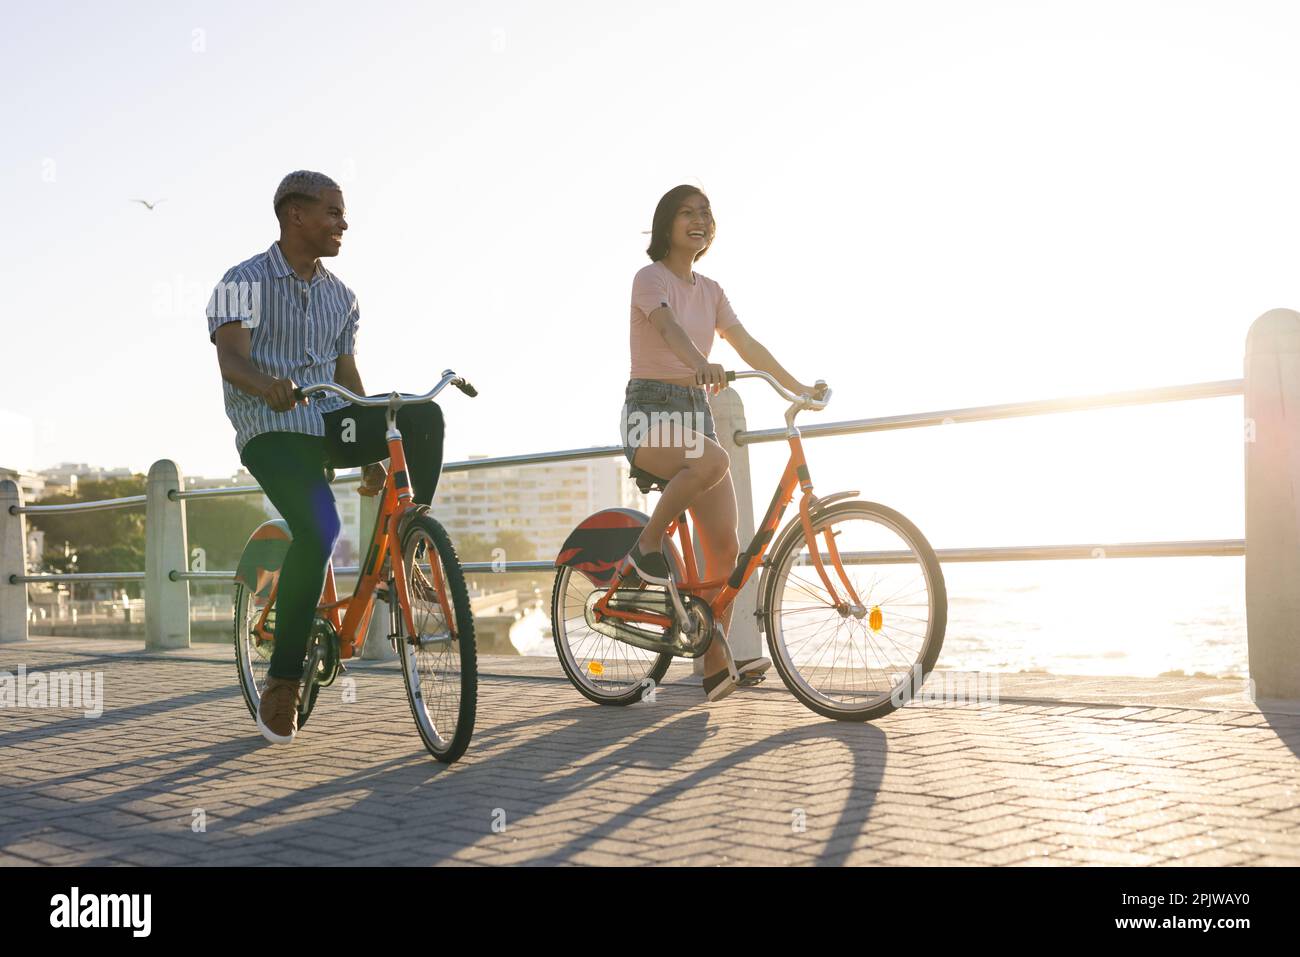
(856, 663)
(440, 661)
(604, 669)
(253, 657)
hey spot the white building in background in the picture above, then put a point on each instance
(241, 477)
(542, 502)
(70, 473)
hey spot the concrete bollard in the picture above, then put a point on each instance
(377, 647)
(166, 602)
(13, 561)
(1272, 440)
(728, 419)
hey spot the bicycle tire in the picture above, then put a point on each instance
(245, 667)
(637, 685)
(777, 573)
(445, 749)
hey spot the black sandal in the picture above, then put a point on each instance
(650, 567)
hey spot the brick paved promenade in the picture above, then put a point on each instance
(1060, 771)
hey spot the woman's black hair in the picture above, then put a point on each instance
(661, 229)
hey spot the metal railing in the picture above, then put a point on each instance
(1009, 410)
(176, 571)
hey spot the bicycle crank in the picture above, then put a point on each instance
(690, 642)
(324, 651)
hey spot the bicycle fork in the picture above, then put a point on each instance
(854, 606)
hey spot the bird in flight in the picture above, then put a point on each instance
(148, 204)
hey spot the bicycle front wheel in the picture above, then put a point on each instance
(856, 660)
(439, 661)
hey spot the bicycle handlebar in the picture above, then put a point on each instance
(392, 400)
(395, 400)
(816, 403)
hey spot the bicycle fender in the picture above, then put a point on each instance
(793, 529)
(263, 555)
(600, 542)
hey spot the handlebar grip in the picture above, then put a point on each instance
(297, 393)
(468, 389)
(731, 377)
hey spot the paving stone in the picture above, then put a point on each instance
(1086, 783)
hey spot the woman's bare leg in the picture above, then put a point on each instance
(689, 476)
(692, 481)
(714, 516)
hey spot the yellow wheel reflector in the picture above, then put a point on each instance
(596, 668)
(876, 619)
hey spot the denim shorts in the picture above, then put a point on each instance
(649, 402)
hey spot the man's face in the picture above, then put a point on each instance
(321, 224)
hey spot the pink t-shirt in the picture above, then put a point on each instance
(700, 309)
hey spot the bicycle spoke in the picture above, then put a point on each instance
(604, 667)
(432, 656)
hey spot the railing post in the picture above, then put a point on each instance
(377, 647)
(1272, 440)
(728, 419)
(13, 561)
(166, 602)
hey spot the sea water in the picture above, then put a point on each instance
(1139, 617)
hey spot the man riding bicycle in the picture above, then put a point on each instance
(279, 319)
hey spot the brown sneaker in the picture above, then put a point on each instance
(277, 711)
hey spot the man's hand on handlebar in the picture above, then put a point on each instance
(279, 394)
(372, 479)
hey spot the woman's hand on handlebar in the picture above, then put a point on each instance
(712, 376)
(817, 391)
(279, 394)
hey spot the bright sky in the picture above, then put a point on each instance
(928, 204)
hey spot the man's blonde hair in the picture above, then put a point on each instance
(303, 184)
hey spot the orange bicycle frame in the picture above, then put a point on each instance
(796, 474)
(350, 616)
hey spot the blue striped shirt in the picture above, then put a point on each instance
(299, 329)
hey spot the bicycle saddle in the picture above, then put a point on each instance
(646, 482)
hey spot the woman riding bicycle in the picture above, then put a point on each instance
(668, 429)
